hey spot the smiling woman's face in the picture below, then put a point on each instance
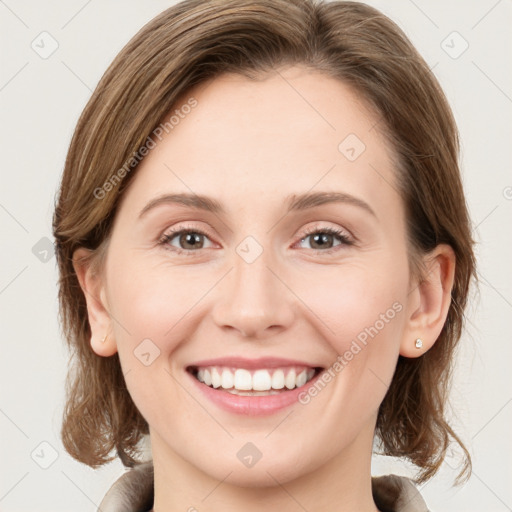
(260, 277)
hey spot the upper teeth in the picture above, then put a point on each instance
(258, 380)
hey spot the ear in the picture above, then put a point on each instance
(429, 301)
(97, 307)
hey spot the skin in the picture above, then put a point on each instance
(250, 144)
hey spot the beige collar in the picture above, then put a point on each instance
(133, 492)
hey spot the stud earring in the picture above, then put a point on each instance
(418, 343)
(103, 339)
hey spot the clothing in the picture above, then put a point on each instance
(133, 492)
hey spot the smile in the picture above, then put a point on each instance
(252, 387)
(259, 382)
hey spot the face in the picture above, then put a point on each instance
(267, 284)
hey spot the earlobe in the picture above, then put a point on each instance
(93, 288)
(104, 346)
(430, 301)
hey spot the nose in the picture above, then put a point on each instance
(253, 299)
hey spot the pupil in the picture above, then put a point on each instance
(323, 238)
(191, 238)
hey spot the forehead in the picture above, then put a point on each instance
(293, 130)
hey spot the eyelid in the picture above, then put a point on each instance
(319, 226)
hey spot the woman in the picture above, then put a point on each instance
(264, 254)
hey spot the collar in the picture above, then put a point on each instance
(133, 492)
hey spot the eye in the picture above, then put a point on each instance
(323, 238)
(188, 240)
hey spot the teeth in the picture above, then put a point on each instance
(207, 376)
(278, 379)
(253, 393)
(290, 379)
(216, 378)
(227, 379)
(244, 382)
(261, 380)
(301, 379)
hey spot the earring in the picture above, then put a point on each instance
(103, 339)
(418, 343)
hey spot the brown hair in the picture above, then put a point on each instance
(195, 41)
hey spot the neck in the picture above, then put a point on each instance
(340, 484)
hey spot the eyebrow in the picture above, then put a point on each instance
(294, 202)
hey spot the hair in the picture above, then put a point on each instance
(195, 41)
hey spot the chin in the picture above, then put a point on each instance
(261, 475)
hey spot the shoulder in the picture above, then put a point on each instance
(132, 491)
(393, 493)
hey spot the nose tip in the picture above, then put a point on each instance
(254, 301)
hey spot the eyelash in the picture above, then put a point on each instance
(167, 238)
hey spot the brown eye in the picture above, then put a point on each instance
(323, 239)
(190, 240)
(187, 240)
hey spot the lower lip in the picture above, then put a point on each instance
(252, 405)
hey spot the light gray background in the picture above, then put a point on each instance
(40, 101)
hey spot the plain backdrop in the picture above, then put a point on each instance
(468, 46)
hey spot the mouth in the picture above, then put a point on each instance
(263, 381)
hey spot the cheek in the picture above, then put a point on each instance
(361, 315)
(357, 303)
(150, 300)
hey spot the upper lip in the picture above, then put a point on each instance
(243, 362)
